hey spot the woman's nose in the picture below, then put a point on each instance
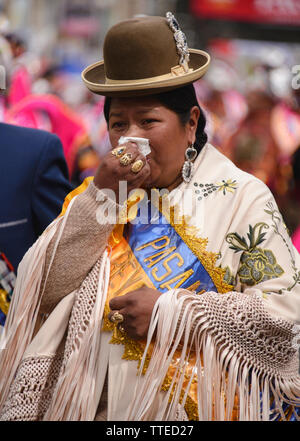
(134, 131)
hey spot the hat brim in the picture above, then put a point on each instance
(94, 78)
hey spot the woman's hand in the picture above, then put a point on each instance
(136, 308)
(111, 171)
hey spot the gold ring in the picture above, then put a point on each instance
(137, 166)
(119, 151)
(117, 317)
(126, 159)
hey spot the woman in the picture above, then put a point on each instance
(179, 300)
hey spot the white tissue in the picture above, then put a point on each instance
(142, 143)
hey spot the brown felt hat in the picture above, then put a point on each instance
(143, 56)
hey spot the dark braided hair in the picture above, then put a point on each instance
(180, 101)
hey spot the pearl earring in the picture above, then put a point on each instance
(187, 169)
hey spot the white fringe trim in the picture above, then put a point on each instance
(221, 375)
(71, 399)
(24, 307)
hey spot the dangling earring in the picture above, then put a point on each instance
(187, 169)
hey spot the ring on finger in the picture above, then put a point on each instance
(119, 151)
(137, 166)
(126, 159)
(117, 317)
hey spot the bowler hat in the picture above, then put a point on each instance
(145, 55)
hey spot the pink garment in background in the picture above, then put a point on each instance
(296, 239)
(20, 86)
(64, 122)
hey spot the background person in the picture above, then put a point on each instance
(34, 182)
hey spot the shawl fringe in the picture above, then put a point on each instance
(222, 372)
(71, 399)
(22, 315)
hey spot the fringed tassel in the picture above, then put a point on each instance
(72, 400)
(148, 386)
(223, 374)
(23, 311)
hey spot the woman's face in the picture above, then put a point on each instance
(146, 117)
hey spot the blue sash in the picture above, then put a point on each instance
(166, 259)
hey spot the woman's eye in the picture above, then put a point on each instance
(117, 125)
(148, 121)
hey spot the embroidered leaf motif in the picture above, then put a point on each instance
(204, 190)
(229, 277)
(257, 264)
(260, 237)
(241, 242)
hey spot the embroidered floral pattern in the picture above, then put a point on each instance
(229, 276)
(277, 220)
(204, 190)
(257, 264)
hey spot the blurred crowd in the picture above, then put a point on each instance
(252, 102)
(253, 112)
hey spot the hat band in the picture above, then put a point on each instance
(176, 71)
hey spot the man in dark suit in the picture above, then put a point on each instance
(33, 184)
